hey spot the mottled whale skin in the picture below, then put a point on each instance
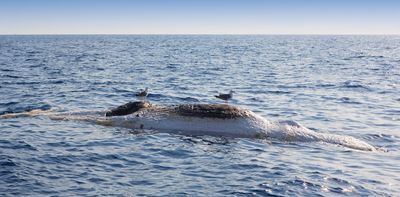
(201, 119)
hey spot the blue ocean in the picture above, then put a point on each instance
(347, 85)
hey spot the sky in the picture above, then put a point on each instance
(200, 17)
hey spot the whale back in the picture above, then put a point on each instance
(221, 111)
(128, 108)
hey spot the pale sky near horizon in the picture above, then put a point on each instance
(200, 17)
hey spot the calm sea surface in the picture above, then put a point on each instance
(348, 85)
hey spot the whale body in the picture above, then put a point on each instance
(201, 119)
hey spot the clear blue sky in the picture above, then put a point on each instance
(200, 17)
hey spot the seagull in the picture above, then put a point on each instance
(143, 93)
(225, 97)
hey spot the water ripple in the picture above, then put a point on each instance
(334, 84)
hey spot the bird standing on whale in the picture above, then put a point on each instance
(143, 93)
(225, 97)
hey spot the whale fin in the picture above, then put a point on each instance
(346, 141)
(293, 131)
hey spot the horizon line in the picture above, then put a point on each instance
(205, 34)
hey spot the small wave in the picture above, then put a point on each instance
(384, 137)
(254, 99)
(154, 95)
(327, 85)
(12, 76)
(32, 52)
(80, 57)
(16, 145)
(37, 65)
(14, 107)
(364, 56)
(59, 144)
(157, 97)
(31, 59)
(206, 140)
(307, 187)
(173, 66)
(386, 92)
(392, 112)
(292, 86)
(347, 100)
(278, 92)
(6, 70)
(27, 83)
(188, 99)
(9, 103)
(56, 82)
(6, 163)
(118, 90)
(354, 85)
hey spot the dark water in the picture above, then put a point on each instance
(338, 84)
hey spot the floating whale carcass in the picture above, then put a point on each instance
(201, 119)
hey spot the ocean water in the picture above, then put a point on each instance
(349, 85)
